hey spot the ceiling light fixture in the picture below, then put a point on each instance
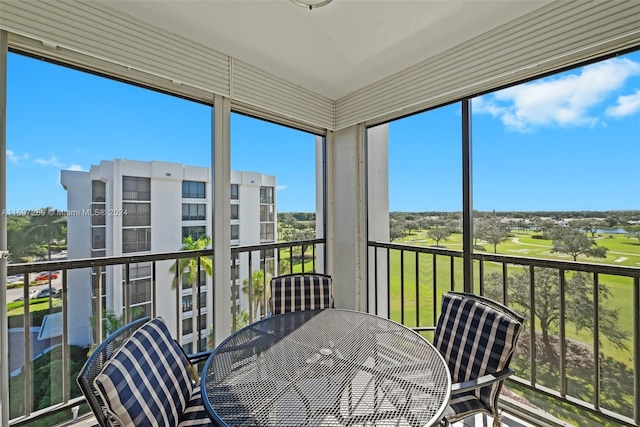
(311, 4)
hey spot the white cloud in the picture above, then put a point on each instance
(51, 161)
(281, 187)
(16, 159)
(626, 105)
(75, 167)
(568, 100)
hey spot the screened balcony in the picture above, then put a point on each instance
(349, 76)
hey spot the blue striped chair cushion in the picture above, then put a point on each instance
(475, 340)
(147, 383)
(195, 414)
(298, 292)
(463, 405)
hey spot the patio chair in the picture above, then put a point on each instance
(301, 291)
(140, 376)
(477, 338)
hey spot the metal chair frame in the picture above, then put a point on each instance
(489, 379)
(101, 355)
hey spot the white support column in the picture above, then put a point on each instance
(346, 216)
(378, 216)
(4, 339)
(221, 179)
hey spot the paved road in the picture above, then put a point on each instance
(15, 293)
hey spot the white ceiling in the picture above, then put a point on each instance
(333, 50)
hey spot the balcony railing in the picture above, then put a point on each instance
(581, 346)
(61, 359)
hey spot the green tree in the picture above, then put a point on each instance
(19, 245)
(588, 225)
(190, 265)
(633, 231)
(493, 231)
(47, 228)
(396, 230)
(544, 225)
(257, 285)
(292, 234)
(439, 233)
(578, 306)
(570, 241)
(411, 225)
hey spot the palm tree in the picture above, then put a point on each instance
(258, 289)
(190, 265)
(47, 228)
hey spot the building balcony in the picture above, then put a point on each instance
(568, 373)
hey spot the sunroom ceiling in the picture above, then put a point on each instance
(334, 50)
(349, 62)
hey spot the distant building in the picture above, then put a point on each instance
(123, 207)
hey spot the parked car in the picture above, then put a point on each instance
(43, 293)
(45, 276)
(14, 279)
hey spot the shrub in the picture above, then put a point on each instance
(540, 237)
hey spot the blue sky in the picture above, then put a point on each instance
(566, 142)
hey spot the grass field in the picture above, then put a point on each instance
(622, 251)
(415, 305)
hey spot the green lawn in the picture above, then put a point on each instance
(418, 307)
(623, 251)
(16, 308)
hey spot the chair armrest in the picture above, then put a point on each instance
(199, 357)
(483, 381)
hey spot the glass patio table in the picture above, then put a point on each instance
(325, 368)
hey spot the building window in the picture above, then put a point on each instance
(187, 303)
(194, 231)
(98, 288)
(267, 253)
(98, 238)
(235, 211)
(139, 291)
(193, 190)
(235, 232)
(98, 191)
(187, 326)
(267, 266)
(193, 212)
(188, 347)
(136, 188)
(141, 310)
(266, 231)
(266, 213)
(203, 300)
(202, 322)
(98, 214)
(202, 344)
(235, 195)
(138, 270)
(266, 194)
(186, 283)
(136, 214)
(136, 240)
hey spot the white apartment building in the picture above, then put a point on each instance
(123, 207)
